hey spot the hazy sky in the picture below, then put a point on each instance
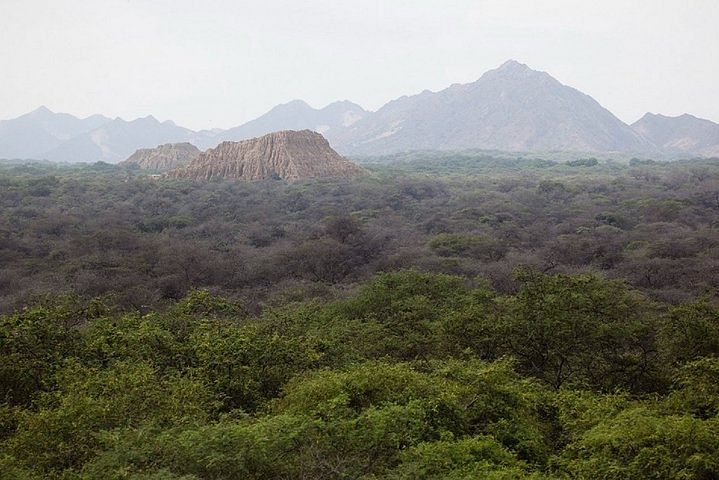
(216, 63)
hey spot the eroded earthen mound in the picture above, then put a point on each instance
(163, 157)
(288, 155)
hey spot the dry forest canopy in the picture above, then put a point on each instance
(448, 316)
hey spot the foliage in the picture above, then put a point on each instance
(376, 386)
(100, 230)
(452, 316)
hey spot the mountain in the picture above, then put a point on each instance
(682, 134)
(117, 139)
(298, 115)
(287, 155)
(163, 157)
(33, 134)
(42, 134)
(511, 108)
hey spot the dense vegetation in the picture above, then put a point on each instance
(418, 375)
(448, 318)
(99, 230)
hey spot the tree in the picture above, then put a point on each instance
(690, 331)
(580, 329)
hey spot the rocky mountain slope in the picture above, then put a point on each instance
(163, 157)
(510, 108)
(298, 115)
(288, 155)
(682, 134)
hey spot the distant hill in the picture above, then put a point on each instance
(512, 108)
(682, 134)
(163, 157)
(33, 134)
(298, 115)
(42, 134)
(116, 140)
(61, 137)
(287, 155)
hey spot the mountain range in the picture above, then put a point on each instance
(298, 115)
(510, 108)
(40, 131)
(685, 133)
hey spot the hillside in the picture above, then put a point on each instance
(512, 108)
(683, 134)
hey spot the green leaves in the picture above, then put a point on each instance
(640, 443)
(33, 343)
(248, 365)
(472, 457)
(580, 329)
(416, 376)
(202, 303)
(473, 246)
(690, 331)
(62, 433)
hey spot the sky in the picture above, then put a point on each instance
(219, 63)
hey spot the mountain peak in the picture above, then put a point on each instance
(296, 104)
(513, 66)
(293, 107)
(510, 108)
(344, 104)
(660, 117)
(298, 115)
(42, 110)
(512, 69)
(148, 119)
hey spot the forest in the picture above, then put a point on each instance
(449, 316)
(98, 230)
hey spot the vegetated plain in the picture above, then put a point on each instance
(447, 316)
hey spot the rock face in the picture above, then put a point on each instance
(289, 155)
(163, 157)
(511, 108)
(683, 134)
